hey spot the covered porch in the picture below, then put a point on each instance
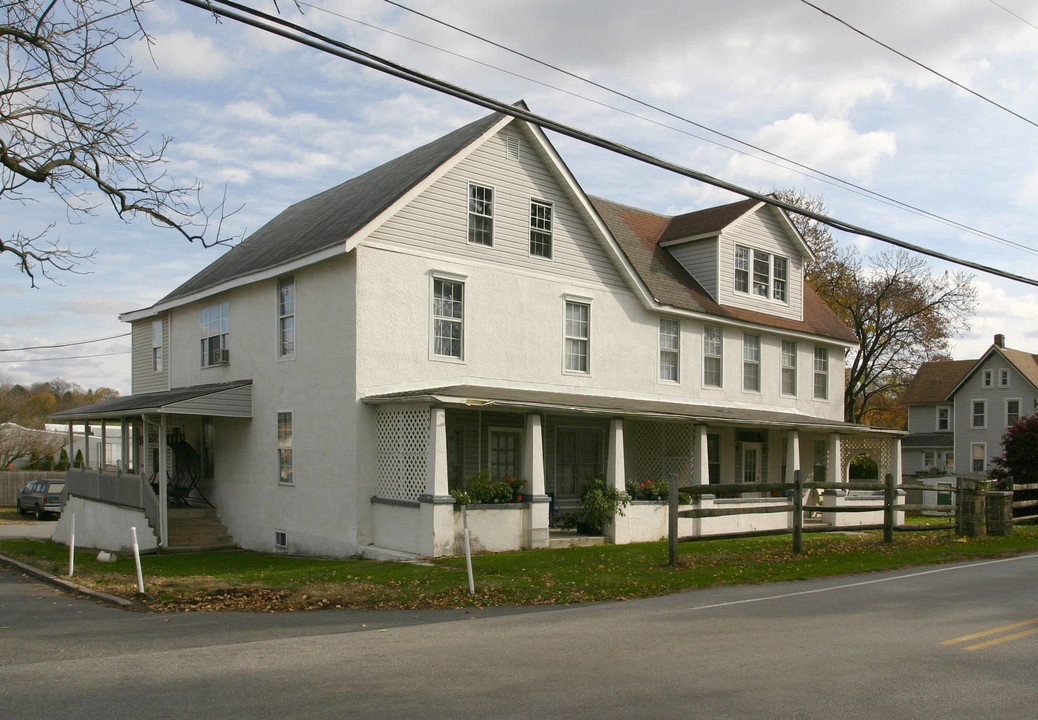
(429, 442)
(167, 464)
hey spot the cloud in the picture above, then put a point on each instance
(184, 54)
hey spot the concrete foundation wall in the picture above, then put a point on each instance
(103, 526)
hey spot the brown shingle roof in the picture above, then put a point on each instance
(638, 232)
(703, 222)
(1025, 362)
(935, 380)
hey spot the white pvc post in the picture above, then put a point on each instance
(72, 545)
(468, 550)
(137, 560)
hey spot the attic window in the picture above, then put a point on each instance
(512, 145)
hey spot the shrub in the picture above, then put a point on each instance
(654, 490)
(1019, 459)
(598, 505)
(482, 490)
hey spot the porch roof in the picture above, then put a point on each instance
(929, 440)
(475, 397)
(229, 399)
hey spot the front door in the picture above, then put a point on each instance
(752, 457)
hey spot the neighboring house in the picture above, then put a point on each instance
(467, 307)
(959, 409)
(54, 438)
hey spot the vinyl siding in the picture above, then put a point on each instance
(760, 231)
(700, 259)
(437, 220)
(143, 378)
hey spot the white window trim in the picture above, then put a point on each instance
(937, 418)
(277, 446)
(1019, 409)
(551, 233)
(225, 342)
(757, 362)
(815, 373)
(161, 346)
(988, 378)
(579, 300)
(985, 456)
(295, 326)
(660, 350)
(770, 297)
(284, 537)
(1005, 372)
(493, 213)
(933, 458)
(973, 414)
(449, 277)
(720, 358)
(794, 367)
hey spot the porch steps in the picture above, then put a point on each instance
(570, 538)
(198, 529)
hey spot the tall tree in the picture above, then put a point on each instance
(66, 127)
(903, 313)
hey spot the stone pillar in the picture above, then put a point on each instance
(436, 504)
(616, 475)
(999, 516)
(834, 465)
(971, 510)
(701, 458)
(536, 515)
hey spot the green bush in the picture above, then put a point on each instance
(654, 490)
(598, 505)
(482, 490)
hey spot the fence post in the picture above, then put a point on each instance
(798, 512)
(672, 520)
(889, 497)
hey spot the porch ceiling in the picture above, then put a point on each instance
(539, 400)
(230, 399)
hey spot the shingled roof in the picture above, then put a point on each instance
(934, 381)
(706, 222)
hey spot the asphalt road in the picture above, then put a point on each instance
(876, 646)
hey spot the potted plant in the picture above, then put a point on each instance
(598, 505)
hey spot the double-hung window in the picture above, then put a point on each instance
(1012, 412)
(779, 278)
(713, 347)
(768, 277)
(285, 448)
(751, 363)
(286, 317)
(989, 376)
(156, 346)
(670, 350)
(980, 414)
(978, 459)
(821, 373)
(789, 368)
(742, 269)
(761, 273)
(1003, 378)
(448, 318)
(216, 329)
(577, 337)
(481, 214)
(944, 417)
(540, 228)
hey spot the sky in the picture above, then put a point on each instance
(263, 123)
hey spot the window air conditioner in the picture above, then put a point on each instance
(224, 356)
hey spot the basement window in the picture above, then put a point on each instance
(280, 540)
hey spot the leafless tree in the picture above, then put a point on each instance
(67, 127)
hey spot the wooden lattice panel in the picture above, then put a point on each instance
(402, 449)
(660, 449)
(879, 449)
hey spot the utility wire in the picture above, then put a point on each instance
(924, 67)
(805, 170)
(1026, 22)
(68, 357)
(323, 43)
(68, 344)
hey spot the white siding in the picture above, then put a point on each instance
(761, 231)
(144, 378)
(700, 259)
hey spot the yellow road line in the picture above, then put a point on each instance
(996, 641)
(985, 633)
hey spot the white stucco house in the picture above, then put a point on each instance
(958, 410)
(468, 307)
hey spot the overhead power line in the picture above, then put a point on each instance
(323, 43)
(919, 64)
(67, 357)
(68, 344)
(1021, 19)
(805, 170)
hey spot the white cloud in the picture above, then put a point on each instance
(184, 54)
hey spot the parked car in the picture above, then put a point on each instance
(42, 497)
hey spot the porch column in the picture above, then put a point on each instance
(792, 454)
(701, 457)
(896, 469)
(616, 477)
(436, 504)
(71, 445)
(536, 525)
(86, 444)
(163, 499)
(103, 450)
(124, 446)
(834, 466)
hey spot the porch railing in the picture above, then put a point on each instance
(116, 488)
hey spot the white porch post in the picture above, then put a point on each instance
(436, 504)
(792, 454)
(616, 477)
(103, 449)
(834, 468)
(536, 525)
(71, 445)
(163, 499)
(86, 444)
(896, 470)
(701, 457)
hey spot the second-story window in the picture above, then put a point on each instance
(768, 277)
(821, 373)
(980, 414)
(670, 350)
(156, 346)
(481, 215)
(578, 337)
(742, 269)
(789, 368)
(286, 317)
(540, 228)
(944, 417)
(448, 316)
(1012, 412)
(713, 348)
(779, 278)
(216, 330)
(751, 363)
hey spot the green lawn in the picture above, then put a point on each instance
(252, 581)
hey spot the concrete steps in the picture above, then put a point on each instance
(198, 529)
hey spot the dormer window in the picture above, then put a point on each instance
(770, 274)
